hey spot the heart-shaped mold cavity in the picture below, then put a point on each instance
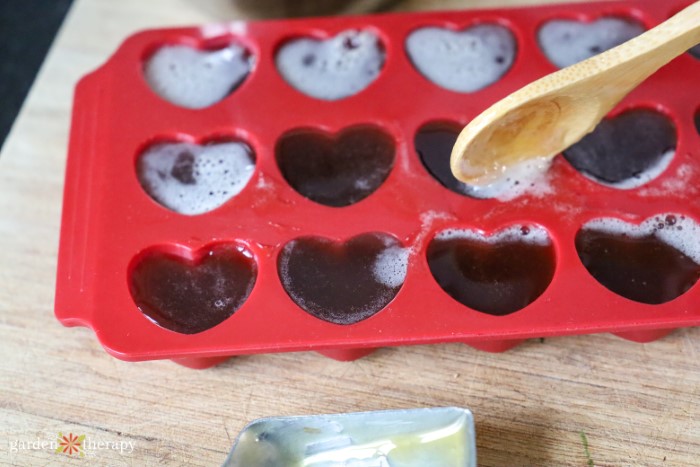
(193, 179)
(343, 283)
(336, 170)
(462, 61)
(191, 295)
(566, 42)
(433, 143)
(626, 151)
(197, 78)
(497, 274)
(333, 68)
(653, 262)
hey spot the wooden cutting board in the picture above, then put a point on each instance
(589, 400)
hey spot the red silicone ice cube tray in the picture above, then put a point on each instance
(110, 223)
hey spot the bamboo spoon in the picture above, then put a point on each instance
(542, 119)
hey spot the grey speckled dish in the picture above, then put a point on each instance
(392, 438)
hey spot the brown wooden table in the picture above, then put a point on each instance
(635, 404)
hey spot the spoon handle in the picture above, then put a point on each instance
(636, 60)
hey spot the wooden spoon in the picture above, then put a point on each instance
(542, 119)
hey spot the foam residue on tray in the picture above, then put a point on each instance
(678, 231)
(263, 184)
(530, 234)
(567, 42)
(462, 61)
(428, 219)
(334, 68)
(674, 184)
(195, 78)
(193, 179)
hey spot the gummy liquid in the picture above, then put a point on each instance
(433, 143)
(627, 147)
(644, 269)
(336, 171)
(494, 278)
(343, 283)
(187, 298)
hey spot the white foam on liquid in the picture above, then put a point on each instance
(462, 61)
(195, 78)
(677, 231)
(219, 171)
(528, 234)
(525, 177)
(330, 69)
(566, 42)
(391, 266)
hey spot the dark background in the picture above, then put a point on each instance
(27, 29)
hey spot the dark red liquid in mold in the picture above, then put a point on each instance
(494, 278)
(336, 282)
(643, 269)
(433, 143)
(336, 171)
(625, 146)
(188, 297)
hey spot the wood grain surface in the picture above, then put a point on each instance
(634, 404)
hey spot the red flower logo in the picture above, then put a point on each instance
(70, 444)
